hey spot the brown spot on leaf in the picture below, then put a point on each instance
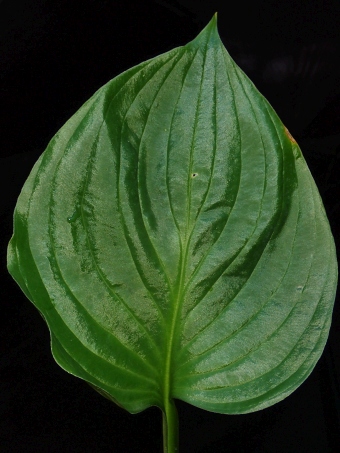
(291, 138)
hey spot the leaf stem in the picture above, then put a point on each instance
(170, 427)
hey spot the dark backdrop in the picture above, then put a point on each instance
(53, 55)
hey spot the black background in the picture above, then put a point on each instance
(53, 56)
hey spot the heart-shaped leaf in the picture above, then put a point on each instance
(175, 242)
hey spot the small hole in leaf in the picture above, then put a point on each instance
(73, 217)
(194, 175)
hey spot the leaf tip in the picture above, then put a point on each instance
(208, 35)
(212, 26)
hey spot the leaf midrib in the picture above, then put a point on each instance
(181, 286)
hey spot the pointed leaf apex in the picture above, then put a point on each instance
(208, 36)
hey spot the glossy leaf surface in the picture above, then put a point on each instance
(175, 242)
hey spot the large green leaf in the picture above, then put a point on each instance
(175, 242)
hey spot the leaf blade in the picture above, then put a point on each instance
(174, 240)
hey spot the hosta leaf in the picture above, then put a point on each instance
(175, 242)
